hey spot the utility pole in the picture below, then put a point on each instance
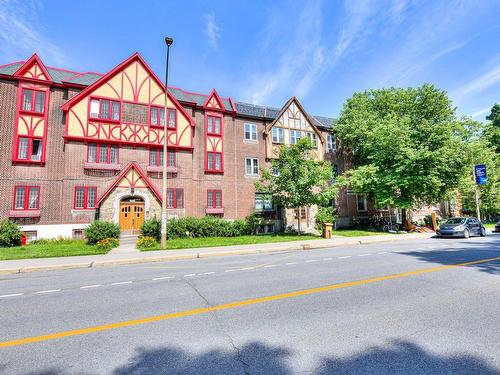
(168, 42)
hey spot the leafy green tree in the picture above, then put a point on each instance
(492, 130)
(406, 145)
(296, 179)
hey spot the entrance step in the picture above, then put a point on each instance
(127, 244)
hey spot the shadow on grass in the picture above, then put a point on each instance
(467, 250)
(398, 357)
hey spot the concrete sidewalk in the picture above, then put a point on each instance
(110, 259)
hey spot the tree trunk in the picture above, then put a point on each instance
(404, 216)
(298, 221)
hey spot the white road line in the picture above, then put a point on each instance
(90, 286)
(11, 295)
(247, 268)
(162, 278)
(326, 259)
(311, 260)
(190, 274)
(291, 263)
(383, 252)
(363, 255)
(230, 270)
(270, 265)
(48, 291)
(208, 273)
(347, 256)
(122, 283)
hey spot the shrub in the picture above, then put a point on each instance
(151, 228)
(10, 234)
(107, 244)
(324, 215)
(100, 230)
(147, 242)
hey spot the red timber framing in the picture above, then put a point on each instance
(30, 128)
(130, 182)
(214, 102)
(130, 82)
(214, 142)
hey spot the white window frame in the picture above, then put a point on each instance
(251, 166)
(279, 137)
(294, 137)
(313, 137)
(251, 130)
(364, 202)
(331, 143)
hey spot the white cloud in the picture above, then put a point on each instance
(212, 31)
(20, 35)
(479, 84)
(481, 113)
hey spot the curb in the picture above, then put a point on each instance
(197, 255)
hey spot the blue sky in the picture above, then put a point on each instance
(264, 52)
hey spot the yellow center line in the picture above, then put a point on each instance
(232, 305)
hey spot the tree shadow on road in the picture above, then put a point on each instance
(397, 357)
(468, 251)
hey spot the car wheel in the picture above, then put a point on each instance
(466, 233)
(483, 232)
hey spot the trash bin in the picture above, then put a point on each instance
(327, 230)
(23, 239)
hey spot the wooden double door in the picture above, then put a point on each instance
(131, 215)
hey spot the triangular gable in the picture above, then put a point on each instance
(33, 69)
(120, 67)
(131, 177)
(311, 121)
(214, 101)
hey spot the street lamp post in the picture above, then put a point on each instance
(169, 42)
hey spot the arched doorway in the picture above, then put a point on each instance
(131, 213)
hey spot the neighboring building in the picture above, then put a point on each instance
(82, 146)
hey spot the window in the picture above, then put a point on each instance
(214, 125)
(313, 138)
(156, 157)
(330, 143)
(157, 117)
(85, 197)
(303, 213)
(26, 197)
(263, 202)
(77, 234)
(294, 136)
(214, 198)
(250, 132)
(102, 153)
(33, 101)
(278, 135)
(31, 235)
(104, 109)
(214, 161)
(335, 169)
(175, 198)
(361, 200)
(29, 148)
(251, 166)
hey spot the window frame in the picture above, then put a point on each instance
(110, 109)
(313, 137)
(108, 155)
(159, 152)
(29, 155)
(331, 143)
(33, 101)
(365, 202)
(209, 168)
(213, 193)
(295, 131)
(27, 190)
(252, 132)
(158, 109)
(175, 203)
(212, 131)
(265, 198)
(252, 166)
(85, 197)
(281, 139)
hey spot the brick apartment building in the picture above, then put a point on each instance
(82, 146)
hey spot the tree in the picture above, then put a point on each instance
(296, 179)
(406, 145)
(492, 130)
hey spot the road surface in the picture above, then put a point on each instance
(410, 307)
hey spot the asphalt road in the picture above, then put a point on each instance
(393, 308)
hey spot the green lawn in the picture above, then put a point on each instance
(355, 233)
(489, 226)
(48, 250)
(186, 243)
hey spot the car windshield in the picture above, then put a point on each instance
(456, 220)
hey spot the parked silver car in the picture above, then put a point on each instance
(461, 227)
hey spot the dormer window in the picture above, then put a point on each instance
(104, 109)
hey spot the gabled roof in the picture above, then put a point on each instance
(21, 71)
(122, 175)
(293, 99)
(217, 98)
(198, 98)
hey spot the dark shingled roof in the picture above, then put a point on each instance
(244, 109)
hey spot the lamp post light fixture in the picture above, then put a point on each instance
(168, 42)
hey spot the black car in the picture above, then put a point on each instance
(461, 227)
